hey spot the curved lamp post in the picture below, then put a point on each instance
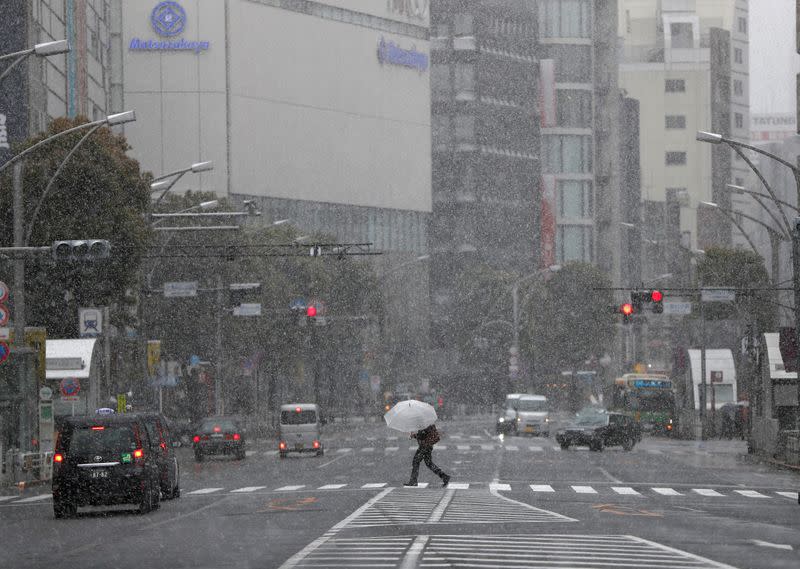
(41, 49)
(793, 230)
(163, 184)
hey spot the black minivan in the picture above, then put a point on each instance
(104, 460)
(159, 432)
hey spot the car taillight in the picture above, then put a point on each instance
(236, 436)
(217, 429)
(98, 428)
(669, 427)
(58, 457)
(196, 438)
(316, 444)
(282, 445)
(138, 453)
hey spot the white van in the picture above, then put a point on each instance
(299, 429)
(525, 414)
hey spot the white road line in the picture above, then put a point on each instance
(462, 447)
(666, 492)
(414, 553)
(247, 489)
(751, 494)
(290, 488)
(475, 436)
(792, 495)
(391, 449)
(487, 447)
(456, 437)
(331, 486)
(499, 487)
(368, 449)
(706, 492)
(419, 485)
(441, 447)
(542, 488)
(511, 447)
(343, 450)
(4, 498)
(536, 448)
(584, 490)
(653, 451)
(372, 439)
(271, 453)
(205, 491)
(391, 438)
(374, 485)
(625, 490)
(556, 448)
(413, 447)
(458, 486)
(38, 498)
(785, 546)
(438, 511)
(249, 452)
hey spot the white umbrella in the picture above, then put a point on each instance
(409, 416)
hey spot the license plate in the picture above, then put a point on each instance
(299, 446)
(98, 474)
(218, 436)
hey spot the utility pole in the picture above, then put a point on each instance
(218, 403)
(25, 427)
(703, 433)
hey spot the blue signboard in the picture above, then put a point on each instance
(168, 20)
(659, 383)
(390, 52)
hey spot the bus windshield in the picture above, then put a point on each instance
(531, 405)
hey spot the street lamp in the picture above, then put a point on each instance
(164, 184)
(793, 231)
(40, 49)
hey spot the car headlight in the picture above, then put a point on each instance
(547, 419)
(501, 420)
(518, 419)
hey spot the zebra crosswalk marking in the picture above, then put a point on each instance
(542, 488)
(792, 495)
(368, 449)
(706, 492)
(511, 447)
(458, 486)
(499, 487)
(332, 487)
(247, 489)
(374, 485)
(290, 488)
(343, 450)
(487, 447)
(205, 491)
(751, 494)
(584, 490)
(625, 491)
(441, 447)
(462, 447)
(391, 449)
(536, 448)
(666, 491)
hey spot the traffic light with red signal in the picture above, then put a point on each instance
(657, 301)
(652, 297)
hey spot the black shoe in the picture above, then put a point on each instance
(445, 480)
(410, 484)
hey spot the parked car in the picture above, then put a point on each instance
(599, 430)
(299, 430)
(104, 460)
(219, 435)
(163, 446)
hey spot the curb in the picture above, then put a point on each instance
(753, 458)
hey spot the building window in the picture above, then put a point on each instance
(465, 81)
(441, 132)
(574, 109)
(575, 199)
(675, 158)
(675, 86)
(738, 120)
(465, 128)
(675, 121)
(682, 35)
(574, 243)
(742, 25)
(738, 55)
(573, 63)
(738, 87)
(441, 86)
(567, 154)
(565, 19)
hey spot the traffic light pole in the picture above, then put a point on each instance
(25, 424)
(218, 403)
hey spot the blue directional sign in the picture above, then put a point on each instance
(194, 360)
(4, 351)
(298, 303)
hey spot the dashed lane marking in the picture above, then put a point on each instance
(751, 494)
(247, 489)
(667, 491)
(584, 490)
(205, 491)
(332, 487)
(368, 449)
(343, 450)
(706, 492)
(542, 488)
(792, 495)
(499, 487)
(374, 485)
(290, 488)
(391, 449)
(625, 491)
(462, 447)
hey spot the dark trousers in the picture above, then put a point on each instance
(424, 452)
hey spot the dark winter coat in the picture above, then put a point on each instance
(427, 437)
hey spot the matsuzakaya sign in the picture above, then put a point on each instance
(168, 20)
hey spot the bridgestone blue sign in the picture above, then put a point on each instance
(168, 20)
(390, 52)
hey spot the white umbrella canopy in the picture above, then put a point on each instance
(409, 416)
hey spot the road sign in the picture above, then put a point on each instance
(716, 376)
(90, 322)
(194, 360)
(253, 309)
(180, 289)
(45, 393)
(717, 295)
(4, 315)
(70, 386)
(3, 291)
(122, 402)
(4, 351)
(70, 398)
(678, 308)
(298, 304)
(5, 333)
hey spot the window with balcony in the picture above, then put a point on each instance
(567, 154)
(464, 81)
(565, 18)
(574, 109)
(573, 63)
(575, 199)
(675, 86)
(675, 121)
(574, 243)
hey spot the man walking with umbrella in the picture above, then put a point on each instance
(426, 438)
(413, 415)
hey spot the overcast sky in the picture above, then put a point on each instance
(774, 62)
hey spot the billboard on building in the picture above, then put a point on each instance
(772, 127)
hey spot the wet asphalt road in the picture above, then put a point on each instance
(512, 502)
